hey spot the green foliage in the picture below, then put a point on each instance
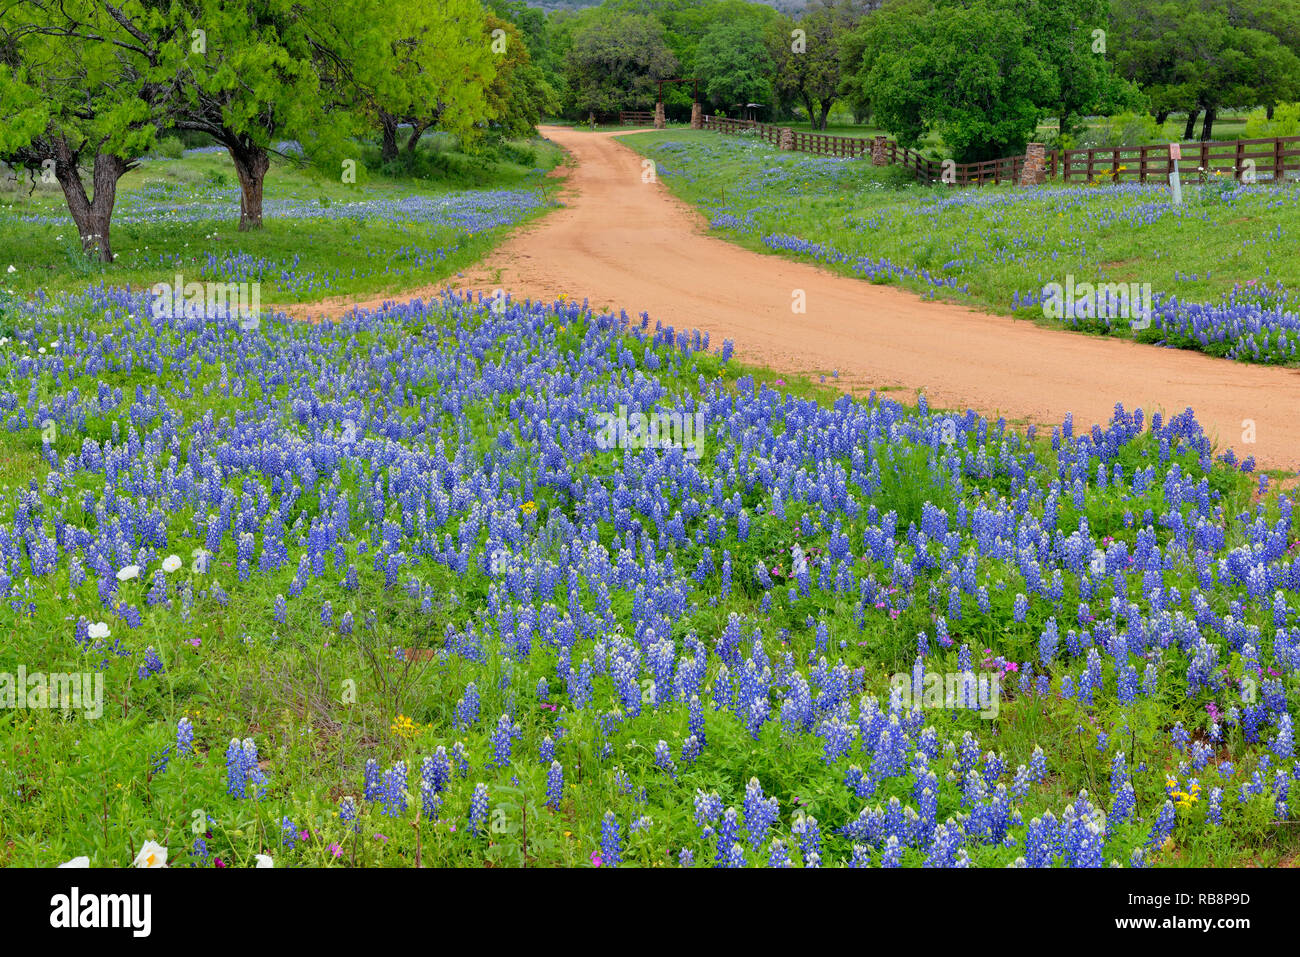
(1125, 129)
(1285, 122)
(975, 73)
(734, 65)
(616, 63)
(809, 62)
(1208, 55)
(170, 147)
(520, 93)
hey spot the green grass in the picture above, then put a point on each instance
(69, 786)
(320, 704)
(299, 259)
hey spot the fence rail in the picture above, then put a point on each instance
(1274, 158)
(1265, 158)
(635, 117)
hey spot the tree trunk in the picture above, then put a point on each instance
(93, 216)
(1207, 128)
(416, 132)
(1161, 116)
(388, 148)
(1192, 116)
(1268, 110)
(251, 164)
(811, 108)
(826, 112)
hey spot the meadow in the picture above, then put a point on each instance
(1219, 266)
(379, 591)
(440, 211)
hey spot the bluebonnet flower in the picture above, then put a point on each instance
(1163, 826)
(478, 809)
(152, 664)
(611, 840)
(554, 785)
(393, 794)
(760, 813)
(461, 757)
(467, 708)
(242, 770)
(502, 740)
(664, 759)
(734, 856)
(806, 829)
(348, 812)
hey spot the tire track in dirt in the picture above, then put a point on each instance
(625, 244)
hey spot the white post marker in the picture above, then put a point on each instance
(1175, 184)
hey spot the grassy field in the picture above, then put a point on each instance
(322, 237)
(1217, 266)
(419, 588)
(332, 608)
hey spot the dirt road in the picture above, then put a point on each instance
(631, 245)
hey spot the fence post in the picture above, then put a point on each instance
(1279, 162)
(787, 139)
(878, 155)
(1035, 169)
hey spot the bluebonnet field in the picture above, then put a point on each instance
(1217, 265)
(371, 592)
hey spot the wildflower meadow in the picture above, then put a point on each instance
(412, 459)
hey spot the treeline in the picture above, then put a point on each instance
(91, 85)
(981, 73)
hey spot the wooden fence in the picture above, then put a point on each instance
(1274, 158)
(926, 169)
(636, 117)
(1267, 158)
(767, 132)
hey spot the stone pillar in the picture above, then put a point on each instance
(1034, 172)
(697, 116)
(879, 153)
(787, 138)
(660, 120)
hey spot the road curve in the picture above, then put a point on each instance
(628, 244)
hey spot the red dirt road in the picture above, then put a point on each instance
(626, 244)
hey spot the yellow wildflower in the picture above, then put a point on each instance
(404, 727)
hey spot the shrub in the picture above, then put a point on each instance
(1285, 122)
(170, 147)
(1123, 129)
